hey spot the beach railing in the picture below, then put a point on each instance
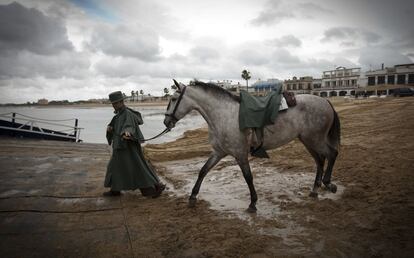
(32, 127)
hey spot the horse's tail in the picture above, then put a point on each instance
(334, 134)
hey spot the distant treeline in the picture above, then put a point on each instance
(57, 102)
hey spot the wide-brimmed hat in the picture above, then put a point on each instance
(116, 96)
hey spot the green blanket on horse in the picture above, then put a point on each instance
(257, 112)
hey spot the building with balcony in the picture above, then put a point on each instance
(383, 81)
(339, 82)
(316, 85)
(303, 85)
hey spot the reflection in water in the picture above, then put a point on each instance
(226, 190)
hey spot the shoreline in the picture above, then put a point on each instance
(93, 105)
(335, 100)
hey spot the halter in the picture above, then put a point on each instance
(166, 130)
(172, 115)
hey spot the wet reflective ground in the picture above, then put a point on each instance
(226, 191)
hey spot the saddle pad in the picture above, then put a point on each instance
(257, 112)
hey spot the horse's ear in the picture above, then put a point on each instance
(177, 84)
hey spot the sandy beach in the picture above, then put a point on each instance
(51, 204)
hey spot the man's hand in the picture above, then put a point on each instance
(109, 129)
(127, 136)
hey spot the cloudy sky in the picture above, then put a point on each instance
(82, 49)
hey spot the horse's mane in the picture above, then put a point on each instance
(215, 89)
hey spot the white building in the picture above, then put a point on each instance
(224, 84)
(227, 84)
(339, 82)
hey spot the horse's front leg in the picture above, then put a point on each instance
(211, 162)
(245, 167)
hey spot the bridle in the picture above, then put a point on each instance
(172, 115)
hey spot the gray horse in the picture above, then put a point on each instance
(313, 120)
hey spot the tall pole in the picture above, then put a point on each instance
(76, 129)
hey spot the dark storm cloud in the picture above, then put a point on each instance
(204, 53)
(283, 56)
(25, 64)
(286, 41)
(350, 36)
(373, 57)
(28, 29)
(276, 11)
(251, 53)
(394, 16)
(126, 41)
(311, 10)
(252, 57)
(272, 14)
(270, 17)
(33, 45)
(391, 20)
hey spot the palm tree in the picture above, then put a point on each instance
(137, 94)
(167, 92)
(246, 75)
(142, 94)
(132, 95)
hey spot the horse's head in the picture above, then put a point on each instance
(178, 106)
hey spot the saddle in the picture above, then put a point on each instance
(290, 98)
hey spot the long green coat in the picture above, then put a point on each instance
(127, 169)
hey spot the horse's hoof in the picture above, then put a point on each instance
(251, 209)
(313, 194)
(192, 203)
(332, 188)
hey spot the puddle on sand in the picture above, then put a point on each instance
(226, 190)
(98, 201)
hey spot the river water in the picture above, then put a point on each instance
(94, 121)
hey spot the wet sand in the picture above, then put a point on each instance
(51, 204)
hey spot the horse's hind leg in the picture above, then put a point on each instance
(333, 153)
(320, 163)
(247, 174)
(211, 162)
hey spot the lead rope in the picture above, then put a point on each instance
(166, 130)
